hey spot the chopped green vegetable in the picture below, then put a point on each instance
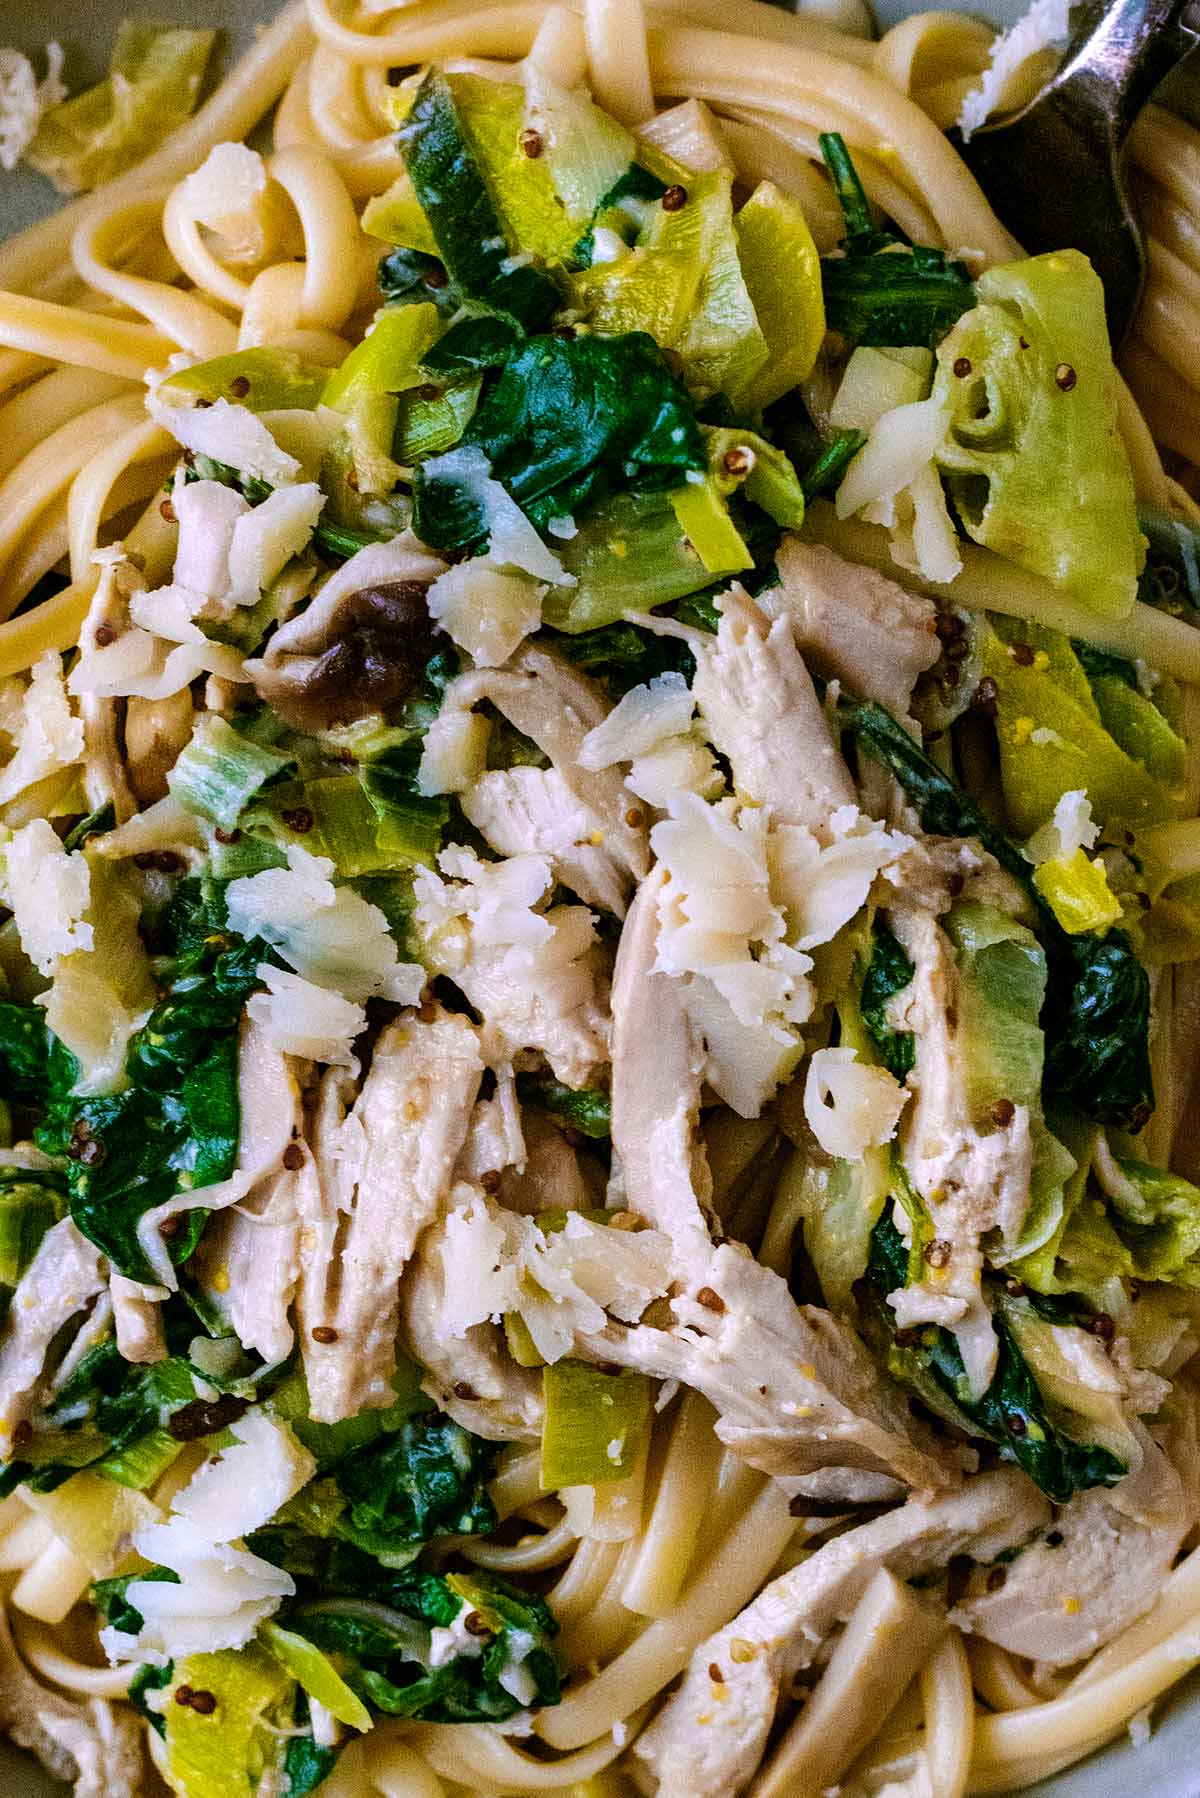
(466, 226)
(566, 424)
(1078, 893)
(220, 771)
(409, 277)
(1034, 461)
(888, 972)
(262, 380)
(425, 1480)
(24, 1048)
(174, 1126)
(782, 273)
(232, 1746)
(879, 290)
(1156, 1215)
(316, 1673)
(152, 86)
(595, 1424)
(630, 554)
(1097, 1015)
(1012, 1412)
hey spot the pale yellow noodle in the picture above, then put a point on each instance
(49, 402)
(618, 65)
(93, 485)
(949, 1705)
(48, 468)
(183, 317)
(39, 1649)
(82, 339)
(331, 234)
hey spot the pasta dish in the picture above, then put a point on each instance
(599, 917)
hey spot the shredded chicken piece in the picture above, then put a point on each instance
(761, 711)
(550, 702)
(852, 624)
(794, 1388)
(470, 1375)
(138, 1319)
(657, 1069)
(65, 1277)
(96, 1745)
(1103, 1565)
(384, 1175)
(252, 1250)
(700, 1748)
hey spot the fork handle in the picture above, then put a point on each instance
(1120, 54)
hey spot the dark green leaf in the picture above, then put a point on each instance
(426, 1480)
(111, 1598)
(472, 343)
(466, 227)
(150, 1679)
(880, 290)
(1012, 1412)
(888, 972)
(567, 423)
(95, 824)
(306, 1765)
(23, 1051)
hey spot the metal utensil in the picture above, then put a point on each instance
(1052, 171)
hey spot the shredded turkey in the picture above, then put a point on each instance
(65, 1278)
(384, 1174)
(706, 1745)
(852, 624)
(761, 711)
(532, 811)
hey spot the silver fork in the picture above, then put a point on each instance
(1053, 170)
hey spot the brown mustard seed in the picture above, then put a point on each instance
(490, 1181)
(712, 1301)
(427, 1011)
(996, 1579)
(324, 1333)
(1017, 1425)
(531, 142)
(204, 1703)
(1003, 1113)
(938, 1254)
(1022, 654)
(675, 198)
(475, 1625)
(239, 387)
(635, 817)
(183, 1695)
(985, 697)
(1015, 1289)
(436, 277)
(167, 510)
(955, 883)
(23, 1434)
(739, 460)
(962, 366)
(227, 836)
(463, 1389)
(1065, 377)
(299, 819)
(1103, 1326)
(171, 1226)
(715, 1674)
(429, 390)
(293, 1158)
(103, 635)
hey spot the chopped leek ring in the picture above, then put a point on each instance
(595, 1424)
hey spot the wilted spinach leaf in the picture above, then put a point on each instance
(426, 1480)
(888, 972)
(881, 290)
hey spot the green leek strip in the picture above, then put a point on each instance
(595, 1424)
(1078, 893)
(432, 420)
(703, 517)
(262, 380)
(388, 360)
(142, 1462)
(317, 1674)
(220, 771)
(409, 826)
